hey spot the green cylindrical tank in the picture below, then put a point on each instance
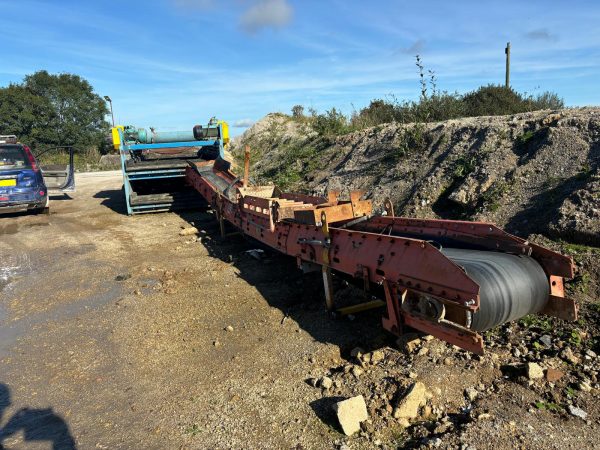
(144, 136)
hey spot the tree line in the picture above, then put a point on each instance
(47, 110)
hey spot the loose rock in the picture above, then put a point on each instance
(568, 355)
(408, 407)
(471, 393)
(577, 412)
(546, 340)
(553, 375)
(377, 356)
(357, 371)
(534, 371)
(326, 383)
(188, 231)
(409, 342)
(350, 413)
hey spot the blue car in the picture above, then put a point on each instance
(24, 184)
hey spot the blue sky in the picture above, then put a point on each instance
(174, 63)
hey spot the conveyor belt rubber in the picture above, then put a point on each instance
(511, 286)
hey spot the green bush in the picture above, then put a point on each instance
(494, 100)
(378, 112)
(331, 123)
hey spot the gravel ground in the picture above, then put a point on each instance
(117, 332)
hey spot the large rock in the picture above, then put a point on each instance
(350, 413)
(408, 407)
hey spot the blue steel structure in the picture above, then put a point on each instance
(141, 162)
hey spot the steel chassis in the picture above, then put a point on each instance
(394, 253)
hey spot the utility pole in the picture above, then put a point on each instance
(507, 51)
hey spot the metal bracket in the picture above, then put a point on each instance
(305, 241)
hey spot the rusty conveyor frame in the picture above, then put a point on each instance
(388, 251)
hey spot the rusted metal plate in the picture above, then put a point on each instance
(480, 234)
(561, 307)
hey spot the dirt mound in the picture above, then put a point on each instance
(530, 173)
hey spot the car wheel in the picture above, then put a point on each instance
(44, 209)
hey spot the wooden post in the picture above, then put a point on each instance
(246, 166)
(507, 51)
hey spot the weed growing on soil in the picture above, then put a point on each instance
(534, 321)
(575, 249)
(570, 392)
(433, 105)
(524, 139)
(412, 140)
(548, 406)
(85, 159)
(574, 338)
(296, 162)
(464, 166)
(193, 429)
(580, 283)
(490, 199)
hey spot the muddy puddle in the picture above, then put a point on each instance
(14, 228)
(12, 266)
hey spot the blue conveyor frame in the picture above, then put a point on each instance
(126, 150)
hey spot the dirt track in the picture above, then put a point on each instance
(113, 334)
(147, 362)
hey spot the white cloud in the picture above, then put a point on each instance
(243, 123)
(266, 14)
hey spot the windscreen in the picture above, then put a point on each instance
(13, 157)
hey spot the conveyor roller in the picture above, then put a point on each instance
(511, 286)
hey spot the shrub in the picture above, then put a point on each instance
(331, 123)
(547, 100)
(379, 111)
(298, 111)
(494, 100)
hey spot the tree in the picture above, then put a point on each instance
(53, 110)
(297, 111)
